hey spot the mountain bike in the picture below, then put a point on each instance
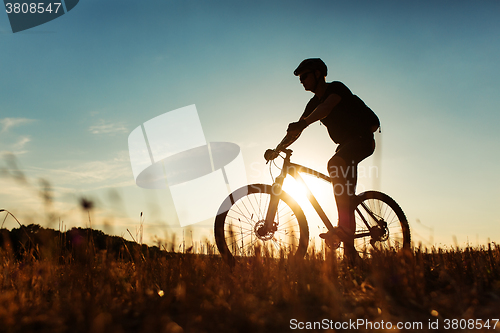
(261, 217)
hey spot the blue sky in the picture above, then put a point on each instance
(73, 89)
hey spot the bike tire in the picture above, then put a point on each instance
(397, 232)
(244, 210)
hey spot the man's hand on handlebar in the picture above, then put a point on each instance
(271, 154)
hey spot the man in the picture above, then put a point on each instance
(350, 123)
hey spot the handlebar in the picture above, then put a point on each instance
(271, 154)
(288, 152)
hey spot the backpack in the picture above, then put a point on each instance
(367, 118)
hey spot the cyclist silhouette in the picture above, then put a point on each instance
(350, 124)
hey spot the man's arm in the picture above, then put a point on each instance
(320, 112)
(323, 110)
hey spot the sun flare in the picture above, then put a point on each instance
(323, 193)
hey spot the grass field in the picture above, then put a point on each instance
(103, 284)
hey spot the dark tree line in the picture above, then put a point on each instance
(78, 243)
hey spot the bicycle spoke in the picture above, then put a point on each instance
(246, 220)
(247, 230)
(263, 208)
(291, 220)
(247, 217)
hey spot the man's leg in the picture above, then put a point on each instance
(343, 170)
(344, 189)
(344, 177)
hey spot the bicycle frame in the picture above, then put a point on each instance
(294, 170)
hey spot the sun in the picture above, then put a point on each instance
(322, 191)
(318, 187)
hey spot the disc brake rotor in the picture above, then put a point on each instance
(258, 230)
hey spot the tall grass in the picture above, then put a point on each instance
(135, 289)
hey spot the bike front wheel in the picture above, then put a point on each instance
(241, 217)
(380, 223)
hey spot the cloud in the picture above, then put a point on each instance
(17, 148)
(20, 186)
(90, 175)
(19, 145)
(7, 123)
(108, 128)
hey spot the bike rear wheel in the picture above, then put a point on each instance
(380, 223)
(243, 213)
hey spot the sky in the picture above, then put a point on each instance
(73, 89)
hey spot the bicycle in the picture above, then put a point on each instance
(261, 217)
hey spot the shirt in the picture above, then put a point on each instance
(348, 119)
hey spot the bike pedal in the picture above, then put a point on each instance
(331, 240)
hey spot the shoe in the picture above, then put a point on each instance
(335, 237)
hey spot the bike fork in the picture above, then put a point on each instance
(270, 225)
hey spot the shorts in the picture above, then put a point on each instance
(357, 149)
